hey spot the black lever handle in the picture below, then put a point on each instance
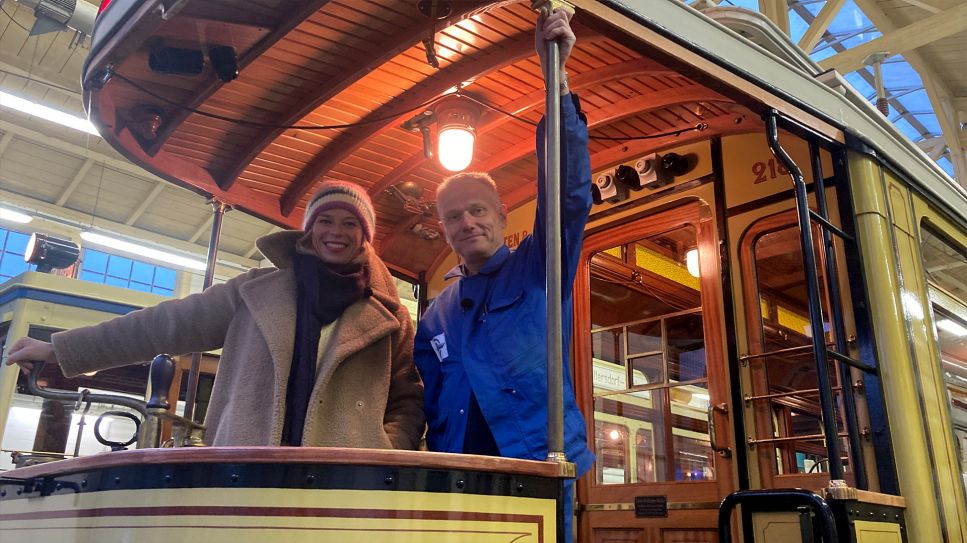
(160, 375)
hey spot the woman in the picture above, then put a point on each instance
(315, 352)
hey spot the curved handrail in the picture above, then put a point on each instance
(73, 396)
(154, 410)
(777, 500)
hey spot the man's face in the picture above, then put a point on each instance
(473, 220)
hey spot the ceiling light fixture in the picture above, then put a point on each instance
(456, 118)
(142, 251)
(47, 113)
(14, 216)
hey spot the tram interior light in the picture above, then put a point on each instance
(456, 118)
(691, 263)
(50, 253)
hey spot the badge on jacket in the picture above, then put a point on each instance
(439, 343)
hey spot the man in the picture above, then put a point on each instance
(481, 346)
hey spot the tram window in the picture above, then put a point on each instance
(649, 366)
(946, 268)
(787, 378)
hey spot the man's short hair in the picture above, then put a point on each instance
(482, 178)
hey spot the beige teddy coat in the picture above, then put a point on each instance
(367, 393)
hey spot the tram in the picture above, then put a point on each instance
(770, 313)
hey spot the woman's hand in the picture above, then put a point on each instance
(25, 351)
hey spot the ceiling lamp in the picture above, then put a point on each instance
(14, 216)
(456, 118)
(50, 253)
(142, 251)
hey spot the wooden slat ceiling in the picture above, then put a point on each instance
(363, 63)
(342, 76)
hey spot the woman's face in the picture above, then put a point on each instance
(337, 236)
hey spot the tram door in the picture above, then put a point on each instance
(651, 377)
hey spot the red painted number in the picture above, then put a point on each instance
(760, 169)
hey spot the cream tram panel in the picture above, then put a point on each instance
(256, 515)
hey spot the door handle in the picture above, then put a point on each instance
(724, 452)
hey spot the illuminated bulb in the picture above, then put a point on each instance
(90, 373)
(614, 435)
(691, 262)
(455, 148)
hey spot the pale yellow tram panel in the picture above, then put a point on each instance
(338, 516)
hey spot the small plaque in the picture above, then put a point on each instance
(651, 506)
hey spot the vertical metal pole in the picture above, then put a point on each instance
(218, 213)
(839, 327)
(552, 236)
(815, 309)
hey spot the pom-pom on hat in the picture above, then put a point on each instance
(342, 195)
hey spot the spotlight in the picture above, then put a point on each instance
(674, 164)
(224, 62)
(176, 61)
(50, 253)
(606, 189)
(628, 176)
(456, 131)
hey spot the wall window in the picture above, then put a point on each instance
(101, 267)
(12, 248)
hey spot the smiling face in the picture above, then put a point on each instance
(337, 236)
(473, 219)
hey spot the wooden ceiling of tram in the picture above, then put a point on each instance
(363, 63)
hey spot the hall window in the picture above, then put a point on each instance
(12, 248)
(119, 271)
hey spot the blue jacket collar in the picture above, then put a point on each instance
(493, 264)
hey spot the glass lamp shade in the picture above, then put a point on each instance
(455, 147)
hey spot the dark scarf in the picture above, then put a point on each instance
(323, 292)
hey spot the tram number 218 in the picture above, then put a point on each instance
(760, 169)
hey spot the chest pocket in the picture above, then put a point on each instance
(514, 325)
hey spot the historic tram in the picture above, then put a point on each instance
(770, 311)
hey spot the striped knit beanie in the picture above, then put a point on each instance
(342, 195)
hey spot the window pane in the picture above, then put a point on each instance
(94, 261)
(12, 265)
(646, 314)
(16, 243)
(790, 377)
(164, 278)
(120, 267)
(116, 281)
(946, 267)
(90, 276)
(142, 272)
